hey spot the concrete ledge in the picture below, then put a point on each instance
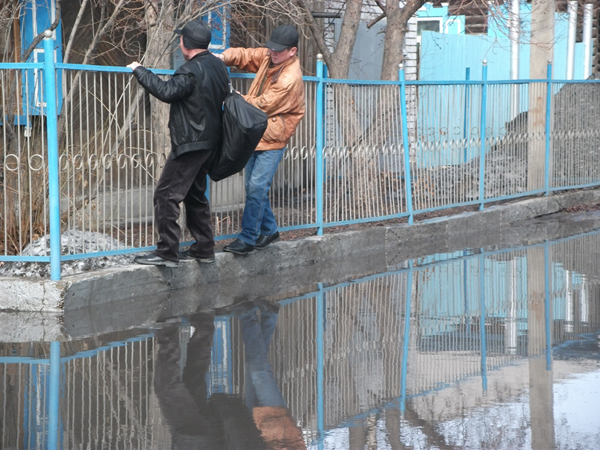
(26, 294)
(111, 299)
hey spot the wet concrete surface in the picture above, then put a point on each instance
(486, 341)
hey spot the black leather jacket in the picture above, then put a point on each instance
(196, 92)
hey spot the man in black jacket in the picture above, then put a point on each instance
(196, 93)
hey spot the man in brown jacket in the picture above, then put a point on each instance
(278, 90)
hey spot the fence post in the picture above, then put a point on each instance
(54, 395)
(405, 144)
(482, 125)
(406, 338)
(52, 140)
(547, 321)
(321, 365)
(320, 129)
(548, 127)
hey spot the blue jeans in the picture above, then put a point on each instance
(257, 331)
(258, 217)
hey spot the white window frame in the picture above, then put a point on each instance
(440, 21)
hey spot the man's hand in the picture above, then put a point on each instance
(219, 55)
(134, 65)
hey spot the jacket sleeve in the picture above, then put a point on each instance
(276, 100)
(179, 86)
(248, 59)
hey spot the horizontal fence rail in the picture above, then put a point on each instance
(365, 151)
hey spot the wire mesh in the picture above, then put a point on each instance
(445, 147)
(506, 140)
(112, 154)
(363, 157)
(575, 134)
(23, 160)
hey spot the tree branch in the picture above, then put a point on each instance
(316, 31)
(382, 6)
(377, 19)
(109, 23)
(74, 31)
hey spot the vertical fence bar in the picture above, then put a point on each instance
(320, 125)
(52, 140)
(548, 127)
(465, 115)
(53, 395)
(482, 126)
(407, 177)
(406, 339)
(320, 366)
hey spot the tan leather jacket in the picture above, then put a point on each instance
(277, 428)
(277, 90)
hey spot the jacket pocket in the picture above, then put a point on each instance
(275, 131)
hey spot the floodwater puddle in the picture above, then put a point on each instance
(470, 349)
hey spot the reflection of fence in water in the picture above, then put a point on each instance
(363, 343)
(107, 394)
(106, 399)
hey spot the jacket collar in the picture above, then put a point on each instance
(201, 54)
(289, 62)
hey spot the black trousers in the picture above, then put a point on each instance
(182, 396)
(184, 180)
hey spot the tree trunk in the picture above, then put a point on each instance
(342, 55)
(158, 56)
(395, 33)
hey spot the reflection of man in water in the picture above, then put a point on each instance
(263, 397)
(182, 395)
(196, 423)
(223, 421)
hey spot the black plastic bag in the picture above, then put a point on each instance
(243, 128)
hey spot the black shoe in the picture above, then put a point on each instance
(185, 255)
(263, 241)
(239, 247)
(153, 259)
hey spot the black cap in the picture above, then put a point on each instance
(284, 36)
(196, 34)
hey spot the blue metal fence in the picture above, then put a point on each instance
(365, 151)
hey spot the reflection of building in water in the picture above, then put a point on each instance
(346, 352)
